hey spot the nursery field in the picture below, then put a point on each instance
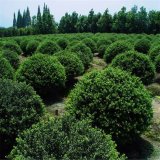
(80, 96)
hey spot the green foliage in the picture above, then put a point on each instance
(154, 52)
(101, 50)
(115, 101)
(72, 64)
(103, 41)
(6, 70)
(83, 52)
(12, 46)
(91, 44)
(20, 107)
(23, 45)
(143, 45)
(63, 43)
(157, 63)
(64, 138)
(31, 47)
(137, 64)
(12, 57)
(43, 72)
(48, 47)
(115, 49)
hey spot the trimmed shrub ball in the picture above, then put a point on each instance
(6, 70)
(115, 101)
(63, 43)
(31, 47)
(157, 63)
(12, 57)
(64, 138)
(91, 44)
(12, 46)
(101, 50)
(72, 64)
(143, 45)
(43, 72)
(116, 48)
(138, 64)
(24, 44)
(154, 52)
(84, 53)
(20, 107)
(103, 41)
(48, 47)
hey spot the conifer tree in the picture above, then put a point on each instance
(14, 21)
(19, 20)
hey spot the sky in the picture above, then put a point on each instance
(59, 7)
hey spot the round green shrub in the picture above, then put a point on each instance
(115, 101)
(72, 64)
(116, 48)
(6, 70)
(103, 41)
(23, 45)
(157, 63)
(20, 107)
(137, 64)
(101, 50)
(43, 72)
(84, 53)
(91, 44)
(12, 57)
(64, 138)
(48, 47)
(31, 47)
(12, 46)
(154, 52)
(63, 43)
(143, 45)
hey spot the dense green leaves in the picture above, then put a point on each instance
(64, 138)
(20, 107)
(115, 102)
(43, 72)
(138, 64)
(116, 48)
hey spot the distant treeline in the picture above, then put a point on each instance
(133, 21)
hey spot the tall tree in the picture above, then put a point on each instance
(19, 20)
(14, 21)
(28, 17)
(105, 22)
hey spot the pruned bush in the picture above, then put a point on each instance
(103, 41)
(72, 64)
(20, 107)
(23, 45)
(31, 47)
(137, 64)
(115, 101)
(6, 70)
(12, 57)
(101, 50)
(154, 89)
(64, 139)
(43, 72)
(63, 43)
(154, 52)
(12, 46)
(142, 45)
(48, 47)
(116, 48)
(91, 44)
(83, 52)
